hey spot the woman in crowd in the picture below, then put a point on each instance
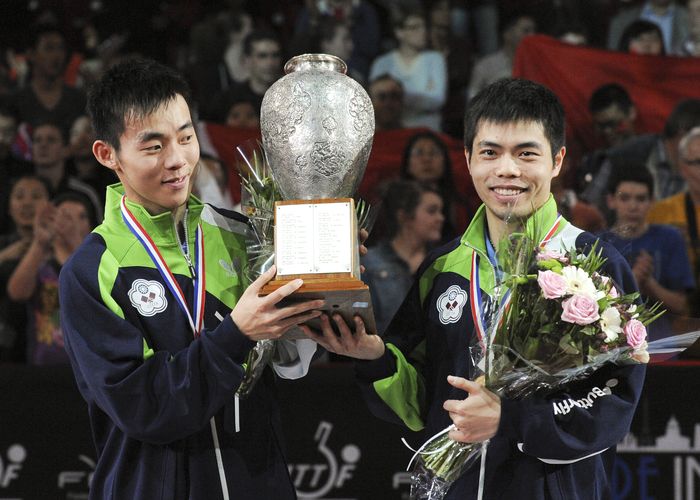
(423, 73)
(413, 216)
(27, 195)
(426, 159)
(58, 229)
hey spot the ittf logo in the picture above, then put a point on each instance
(9, 469)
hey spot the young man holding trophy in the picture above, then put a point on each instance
(157, 318)
(555, 446)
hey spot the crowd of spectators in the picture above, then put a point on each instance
(421, 62)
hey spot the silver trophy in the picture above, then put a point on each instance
(317, 128)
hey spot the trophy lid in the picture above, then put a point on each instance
(325, 62)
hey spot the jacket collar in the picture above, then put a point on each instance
(161, 227)
(538, 224)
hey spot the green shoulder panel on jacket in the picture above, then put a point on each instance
(227, 262)
(456, 261)
(404, 391)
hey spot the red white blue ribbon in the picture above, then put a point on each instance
(151, 248)
(476, 292)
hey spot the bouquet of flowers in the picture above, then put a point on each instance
(557, 319)
(258, 196)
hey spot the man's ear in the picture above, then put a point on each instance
(559, 161)
(105, 154)
(467, 156)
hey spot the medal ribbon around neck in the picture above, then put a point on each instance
(476, 292)
(153, 252)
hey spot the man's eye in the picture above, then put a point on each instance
(157, 147)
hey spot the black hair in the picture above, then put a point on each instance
(401, 195)
(132, 89)
(400, 13)
(384, 77)
(30, 175)
(684, 117)
(77, 197)
(445, 182)
(608, 95)
(636, 28)
(258, 36)
(50, 123)
(41, 29)
(631, 172)
(516, 100)
(445, 185)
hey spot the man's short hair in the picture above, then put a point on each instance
(516, 100)
(631, 172)
(608, 95)
(258, 36)
(40, 29)
(131, 90)
(51, 123)
(684, 117)
(384, 77)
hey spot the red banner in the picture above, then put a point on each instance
(655, 83)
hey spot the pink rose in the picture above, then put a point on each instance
(553, 285)
(546, 254)
(580, 309)
(635, 332)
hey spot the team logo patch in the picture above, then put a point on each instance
(450, 304)
(148, 297)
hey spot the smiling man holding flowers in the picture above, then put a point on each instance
(558, 444)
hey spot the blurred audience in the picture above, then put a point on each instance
(413, 216)
(691, 44)
(500, 64)
(28, 194)
(387, 95)
(59, 228)
(49, 155)
(422, 72)
(46, 97)
(613, 115)
(656, 252)
(427, 160)
(362, 18)
(659, 152)
(683, 209)
(670, 16)
(81, 163)
(643, 38)
(10, 166)
(263, 58)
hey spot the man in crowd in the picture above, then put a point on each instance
(683, 209)
(386, 93)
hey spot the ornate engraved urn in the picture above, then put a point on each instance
(317, 128)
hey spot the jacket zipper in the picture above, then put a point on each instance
(186, 250)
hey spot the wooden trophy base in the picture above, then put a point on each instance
(343, 294)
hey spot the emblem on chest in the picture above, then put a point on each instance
(148, 297)
(450, 304)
